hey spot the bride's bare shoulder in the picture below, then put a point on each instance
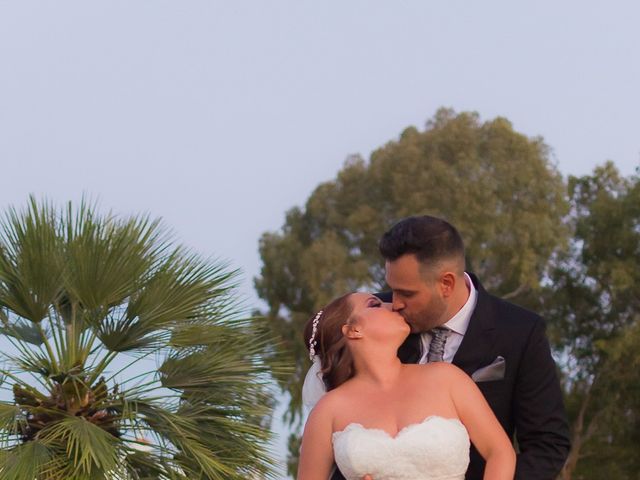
(331, 400)
(440, 371)
(328, 407)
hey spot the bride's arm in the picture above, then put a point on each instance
(485, 431)
(316, 452)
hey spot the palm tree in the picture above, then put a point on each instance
(87, 303)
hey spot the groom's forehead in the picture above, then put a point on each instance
(405, 269)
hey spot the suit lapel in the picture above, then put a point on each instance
(478, 345)
(410, 350)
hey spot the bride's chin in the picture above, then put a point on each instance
(403, 335)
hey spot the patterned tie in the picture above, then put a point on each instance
(436, 346)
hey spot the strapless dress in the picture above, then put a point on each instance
(435, 449)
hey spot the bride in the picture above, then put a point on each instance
(385, 420)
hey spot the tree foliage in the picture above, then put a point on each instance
(85, 299)
(593, 306)
(496, 185)
(570, 249)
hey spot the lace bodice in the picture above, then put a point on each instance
(435, 449)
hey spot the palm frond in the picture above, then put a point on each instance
(30, 261)
(90, 448)
(25, 461)
(106, 258)
(22, 330)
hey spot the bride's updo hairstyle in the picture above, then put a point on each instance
(329, 343)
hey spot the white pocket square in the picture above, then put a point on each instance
(494, 371)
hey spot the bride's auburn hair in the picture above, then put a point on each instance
(330, 344)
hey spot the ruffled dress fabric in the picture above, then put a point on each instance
(435, 449)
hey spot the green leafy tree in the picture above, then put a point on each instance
(496, 185)
(592, 306)
(86, 301)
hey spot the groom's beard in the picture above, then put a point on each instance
(431, 316)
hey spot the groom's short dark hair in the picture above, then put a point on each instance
(430, 239)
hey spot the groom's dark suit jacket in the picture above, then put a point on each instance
(528, 400)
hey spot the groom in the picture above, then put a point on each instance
(503, 347)
(500, 345)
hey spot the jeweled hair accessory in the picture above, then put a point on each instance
(314, 330)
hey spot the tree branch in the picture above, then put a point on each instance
(521, 289)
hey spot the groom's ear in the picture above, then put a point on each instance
(351, 331)
(447, 283)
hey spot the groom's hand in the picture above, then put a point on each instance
(367, 477)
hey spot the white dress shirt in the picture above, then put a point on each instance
(458, 325)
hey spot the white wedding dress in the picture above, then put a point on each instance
(435, 449)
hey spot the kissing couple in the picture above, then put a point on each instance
(432, 380)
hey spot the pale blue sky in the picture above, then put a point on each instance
(220, 116)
